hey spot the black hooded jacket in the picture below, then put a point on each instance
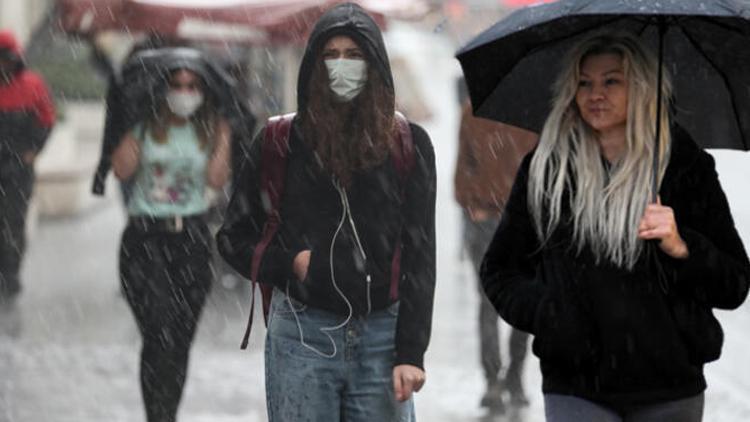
(616, 336)
(311, 212)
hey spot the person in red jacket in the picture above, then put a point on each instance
(26, 118)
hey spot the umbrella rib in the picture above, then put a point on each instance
(724, 78)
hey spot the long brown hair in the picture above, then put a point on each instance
(204, 120)
(352, 136)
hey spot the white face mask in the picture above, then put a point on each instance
(184, 104)
(348, 77)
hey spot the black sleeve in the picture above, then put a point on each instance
(717, 271)
(38, 136)
(509, 269)
(243, 226)
(119, 118)
(417, 285)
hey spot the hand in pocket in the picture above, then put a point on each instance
(301, 264)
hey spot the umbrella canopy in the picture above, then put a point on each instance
(241, 21)
(510, 68)
(145, 76)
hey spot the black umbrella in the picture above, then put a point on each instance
(510, 67)
(144, 82)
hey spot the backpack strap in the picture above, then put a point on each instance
(274, 151)
(403, 158)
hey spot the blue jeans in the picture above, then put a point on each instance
(343, 374)
(562, 408)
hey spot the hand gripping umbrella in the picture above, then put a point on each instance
(704, 44)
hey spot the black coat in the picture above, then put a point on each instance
(616, 336)
(311, 212)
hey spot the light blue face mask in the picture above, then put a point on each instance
(348, 77)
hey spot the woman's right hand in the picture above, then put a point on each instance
(301, 264)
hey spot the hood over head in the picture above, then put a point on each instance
(11, 49)
(344, 19)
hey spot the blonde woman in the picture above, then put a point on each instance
(617, 291)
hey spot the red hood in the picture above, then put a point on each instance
(8, 42)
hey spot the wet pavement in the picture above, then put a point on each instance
(69, 346)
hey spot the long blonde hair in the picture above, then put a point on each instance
(606, 204)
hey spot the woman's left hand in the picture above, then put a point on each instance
(407, 379)
(658, 222)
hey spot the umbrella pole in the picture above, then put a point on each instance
(657, 140)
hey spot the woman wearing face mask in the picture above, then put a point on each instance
(341, 346)
(171, 158)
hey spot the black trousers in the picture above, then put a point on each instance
(16, 183)
(166, 278)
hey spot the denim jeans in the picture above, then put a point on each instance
(562, 408)
(341, 375)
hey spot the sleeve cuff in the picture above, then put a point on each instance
(409, 357)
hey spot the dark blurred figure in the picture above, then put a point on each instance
(170, 157)
(488, 158)
(243, 123)
(27, 115)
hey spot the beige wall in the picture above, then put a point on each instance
(20, 16)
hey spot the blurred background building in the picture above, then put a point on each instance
(21, 16)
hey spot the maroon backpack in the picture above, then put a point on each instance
(272, 174)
